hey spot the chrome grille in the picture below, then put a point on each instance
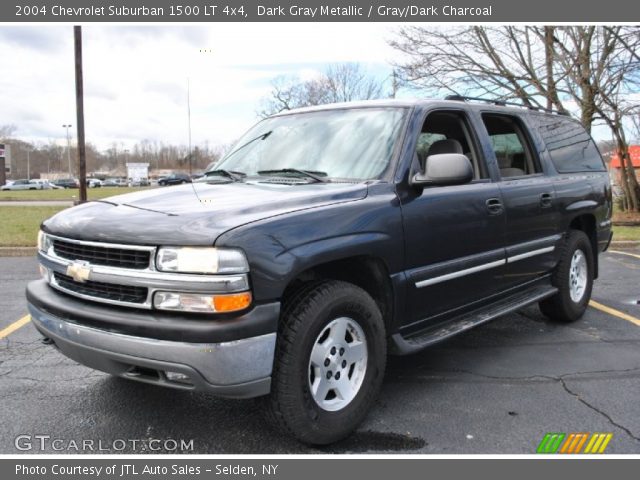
(108, 291)
(97, 255)
(121, 274)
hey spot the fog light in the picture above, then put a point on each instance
(178, 377)
(191, 302)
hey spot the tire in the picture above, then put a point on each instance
(310, 324)
(569, 304)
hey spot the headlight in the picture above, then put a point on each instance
(201, 260)
(44, 242)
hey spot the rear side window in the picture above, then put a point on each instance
(510, 144)
(570, 146)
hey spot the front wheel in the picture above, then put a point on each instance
(330, 360)
(573, 277)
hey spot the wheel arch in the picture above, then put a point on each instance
(365, 271)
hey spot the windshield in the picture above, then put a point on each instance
(353, 144)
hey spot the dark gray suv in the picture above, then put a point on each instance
(325, 239)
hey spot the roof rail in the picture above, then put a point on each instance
(503, 103)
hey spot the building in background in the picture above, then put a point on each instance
(5, 163)
(615, 165)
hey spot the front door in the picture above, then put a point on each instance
(454, 235)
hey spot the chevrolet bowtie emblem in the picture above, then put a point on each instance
(79, 271)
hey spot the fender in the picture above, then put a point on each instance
(280, 248)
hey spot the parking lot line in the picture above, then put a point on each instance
(5, 332)
(624, 253)
(615, 313)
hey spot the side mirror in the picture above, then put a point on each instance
(444, 169)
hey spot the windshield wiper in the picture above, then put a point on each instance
(230, 174)
(313, 174)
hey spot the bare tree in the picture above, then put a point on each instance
(7, 131)
(592, 66)
(343, 82)
(602, 70)
(635, 121)
(504, 63)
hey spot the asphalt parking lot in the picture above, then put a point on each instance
(496, 389)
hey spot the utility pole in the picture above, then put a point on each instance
(125, 156)
(28, 165)
(68, 148)
(82, 159)
(189, 121)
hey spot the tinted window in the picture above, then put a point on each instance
(511, 146)
(570, 146)
(448, 132)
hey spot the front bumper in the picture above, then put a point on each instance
(239, 368)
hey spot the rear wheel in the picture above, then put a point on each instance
(329, 365)
(573, 277)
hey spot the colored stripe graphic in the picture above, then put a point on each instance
(598, 443)
(577, 441)
(572, 443)
(550, 443)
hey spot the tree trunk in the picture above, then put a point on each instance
(628, 177)
(549, 53)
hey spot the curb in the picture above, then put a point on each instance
(625, 243)
(17, 251)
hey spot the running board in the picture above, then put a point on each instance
(425, 338)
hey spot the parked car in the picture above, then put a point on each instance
(67, 183)
(22, 184)
(43, 183)
(341, 234)
(138, 182)
(114, 182)
(94, 183)
(175, 179)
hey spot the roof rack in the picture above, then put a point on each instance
(503, 103)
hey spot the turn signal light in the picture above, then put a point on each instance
(232, 302)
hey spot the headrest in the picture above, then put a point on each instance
(504, 161)
(449, 145)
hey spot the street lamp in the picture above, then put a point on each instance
(68, 148)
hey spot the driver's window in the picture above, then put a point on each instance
(448, 132)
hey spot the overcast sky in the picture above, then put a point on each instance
(136, 77)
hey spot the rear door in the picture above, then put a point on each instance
(529, 198)
(454, 235)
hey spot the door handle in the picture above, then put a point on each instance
(494, 206)
(546, 200)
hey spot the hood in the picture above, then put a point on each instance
(192, 214)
